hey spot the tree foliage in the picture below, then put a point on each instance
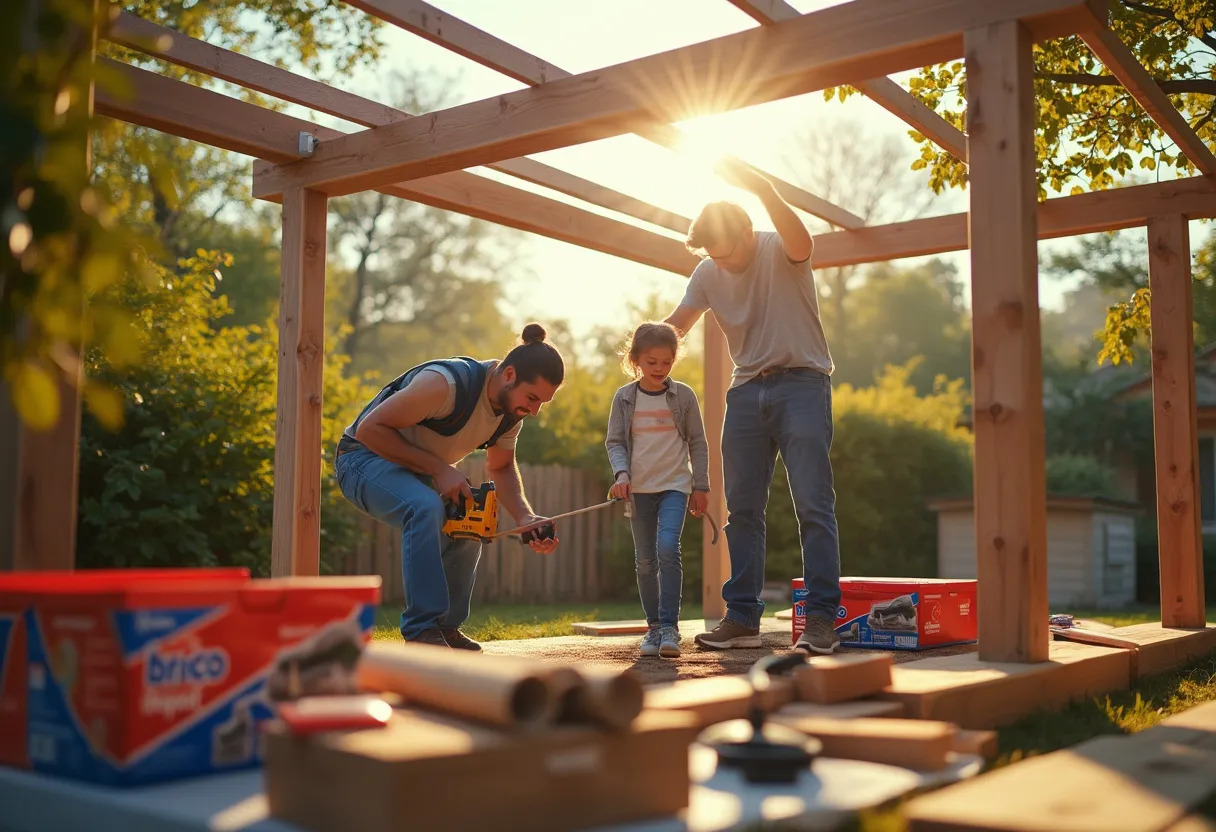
(188, 480)
(60, 244)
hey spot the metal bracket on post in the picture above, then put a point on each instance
(308, 143)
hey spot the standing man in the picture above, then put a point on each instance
(396, 463)
(760, 287)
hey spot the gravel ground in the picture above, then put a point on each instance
(622, 652)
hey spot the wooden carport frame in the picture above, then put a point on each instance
(422, 159)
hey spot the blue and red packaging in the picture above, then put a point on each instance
(154, 681)
(898, 613)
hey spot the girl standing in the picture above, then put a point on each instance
(660, 460)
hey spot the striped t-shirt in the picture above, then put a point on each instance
(659, 457)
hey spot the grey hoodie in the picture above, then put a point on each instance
(686, 413)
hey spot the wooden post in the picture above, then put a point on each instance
(715, 559)
(1175, 441)
(296, 538)
(1007, 373)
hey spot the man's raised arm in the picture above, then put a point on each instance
(795, 239)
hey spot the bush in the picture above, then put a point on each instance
(1079, 475)
(188, 478)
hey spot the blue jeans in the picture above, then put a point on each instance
(436, 571)
(790, 413)
(658, 520)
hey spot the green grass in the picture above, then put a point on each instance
(497, 622)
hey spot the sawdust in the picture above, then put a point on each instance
(622, 652)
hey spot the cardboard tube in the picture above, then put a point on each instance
(609, 698)
(494, 689)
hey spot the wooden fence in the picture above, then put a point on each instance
(510, 571)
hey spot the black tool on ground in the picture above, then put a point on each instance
(763, 753)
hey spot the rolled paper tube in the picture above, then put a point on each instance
(498, 690)
(610, 698)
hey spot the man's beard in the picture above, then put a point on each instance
(503, 400)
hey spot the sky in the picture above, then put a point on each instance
(588, 288)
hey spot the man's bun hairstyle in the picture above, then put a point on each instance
(533, 358)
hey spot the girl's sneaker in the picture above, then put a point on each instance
(669, 642)
(651, 641)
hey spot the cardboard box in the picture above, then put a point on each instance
(899, 613)
(16, 591)
(154, 681)
(429, 772)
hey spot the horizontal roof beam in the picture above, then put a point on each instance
(205, 116)
(1194, 198)
(882, 91)
(1124, 65)
(454, 34)
(837, 45)
(144, 36)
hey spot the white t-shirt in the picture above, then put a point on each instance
(769, 312)
(659, 455)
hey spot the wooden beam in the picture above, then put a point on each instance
(1007, 378)
(1117, 58)
(837, 45)
(715, 558)
(296, 530)
(1175, 438)
(206, 116)
(454, 34)
(139, 34)
(882, 91)
(1194, 198)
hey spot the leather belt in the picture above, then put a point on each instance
(345, 444)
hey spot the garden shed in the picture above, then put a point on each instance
(1091, 549)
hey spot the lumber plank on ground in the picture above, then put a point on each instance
(719, 698)
(973, 693)
(843, 676)
(982, 743)
(1164, 648)
(1105, 783)
(1084, 635)
(610, 628)
(923, 745)
(845, 710)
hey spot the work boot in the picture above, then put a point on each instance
(430, 636)
(730, 634)
(819, 636)
(669, 642)
(650, 642)
(459, 640)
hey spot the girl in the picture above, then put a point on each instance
(660, 460)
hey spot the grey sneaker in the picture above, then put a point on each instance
(651, 641)
(729, 634)
(669, 642)
(818, 637)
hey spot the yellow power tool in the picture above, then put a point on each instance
(475, 519)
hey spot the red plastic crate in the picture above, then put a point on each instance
(16, 591)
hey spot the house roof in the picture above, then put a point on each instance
(1205, 380)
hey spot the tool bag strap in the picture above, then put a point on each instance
(470, 377)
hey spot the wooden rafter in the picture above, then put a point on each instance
(882, 91)
(1116, 57)
(862, 39)
(202, 115)
(147, 37)
(1194, 197)
(467, 40)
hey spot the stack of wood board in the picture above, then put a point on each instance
(717, 699)
(1152, 780)
(436, 772)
